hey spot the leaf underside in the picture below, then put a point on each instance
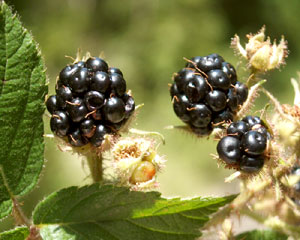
(22, 94)
(19, 233)
(111, 213)
(261, 235)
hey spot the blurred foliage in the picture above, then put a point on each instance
(148, 40)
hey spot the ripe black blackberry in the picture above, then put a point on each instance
(206, 93)
(244, 146)
(90, 101)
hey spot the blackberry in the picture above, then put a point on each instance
(216, 100)
(63, 94)
(114, 110)
(173, 90)
(251, 164)
(51, 104)
(96, 64)
(225, 116)
(181, 105)
(87, 128)
(254, 143)
(249, 145)
(94, 100)
(232, 100)
(76, 139)
(59, 123)
(118, 84)
(129, 105)
(207, 81)
(230, 71)
(229, 150)
(182, 78)
(98, 136)
(100, 82)
(195, 62)
(196, 89)
(200, 115)
(241, 91)
(238, 129)
(218, 79)
(252, 120)
(66, 73)
(112, 70)
(210, 62)
(78, 81)
(77, 109)
(90, 101)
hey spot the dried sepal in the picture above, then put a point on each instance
(259, 51)
(134, 162)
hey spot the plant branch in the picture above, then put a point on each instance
(18, 214)
(272, 222)
(95, 165)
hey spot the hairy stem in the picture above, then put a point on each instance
(18, 214)
(273, 222)
(95, 165)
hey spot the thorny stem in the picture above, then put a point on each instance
(18, 213)
(272, 222)
(239, 204)
(95, 165)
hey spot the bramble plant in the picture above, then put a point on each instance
(91, 115)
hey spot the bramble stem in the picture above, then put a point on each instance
(95, 165)
(18, 214)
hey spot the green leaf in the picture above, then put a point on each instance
(22, 94)
(19, 233)
(261, 235)
(109, 213)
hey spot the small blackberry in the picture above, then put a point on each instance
(100, 82)
(94, 100)
(59, 123)
(254, 143)
(208, 81)
(51, 104)
(112, 70)
(229, 149)
(200, 115)
(96, 64)
(218, 79)
(216, 100)
(118, 84)
(114, 110)
(90, 101)
(249, 147)
(77, 109)
(76, 139)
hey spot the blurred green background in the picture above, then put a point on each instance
(147, 40)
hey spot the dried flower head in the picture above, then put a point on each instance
(261, 54)
(136, 162)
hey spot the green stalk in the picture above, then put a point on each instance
(95, 165)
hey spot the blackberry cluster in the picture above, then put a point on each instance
(206, 93)
(244, 145)
(90, 101)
